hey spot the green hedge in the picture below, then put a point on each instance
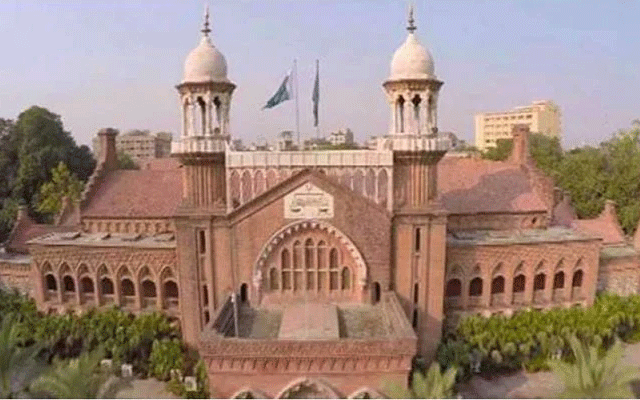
(531, 338)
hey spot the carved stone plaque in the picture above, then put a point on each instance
(308, 201)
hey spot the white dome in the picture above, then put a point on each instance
(412, 61)
(205, 63)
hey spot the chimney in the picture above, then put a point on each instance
(609, 210)
(520, 151)
(109, 155)
(23, 213)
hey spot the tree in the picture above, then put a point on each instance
(126, 162)
(500, 152)
(63, 184)
(433, 385)
(76, 378)
(14, 357)
(593, 375)
(546, 152)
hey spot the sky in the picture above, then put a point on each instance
(116, 63)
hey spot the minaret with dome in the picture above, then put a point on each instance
(412, 89)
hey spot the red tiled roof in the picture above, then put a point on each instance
(470, 185)
(145, 193)
(166, 163)
(605, 226)
(26, 229)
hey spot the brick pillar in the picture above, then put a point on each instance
(528, 287)
(116, 292)
(159, 295)
(78, 295)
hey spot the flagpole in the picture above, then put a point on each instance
(318, 124)
(295, 72)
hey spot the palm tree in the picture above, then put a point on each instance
(14, 359)
(433, 385)
(593, 375)
(76, 378)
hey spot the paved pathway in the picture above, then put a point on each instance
(524, 385)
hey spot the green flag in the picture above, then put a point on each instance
(316, 95)
(281, 95)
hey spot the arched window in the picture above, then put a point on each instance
(358, 182)
(454, 288)
(400, 115)
(416, 111)
(51, 282)
(244, 293)
(171, 290)
(246, 187)
(346, 278)
(518, 283)
(106, 286)
(68, 284)
(382, 187)
(497, 285)
(322, 265)
(558, 280)
(308, 254)
(149, 289)
(539, 281)
(298, 265)
(86, 285)
(260, 184)
(271, 178)
(201, 119)
(127, 287)
(217, 104)
(285, 262)
(333, 267)
(234, 188)
(273, 278)
(416, 293)
(475, 287)
(370, 183)
(577, 279)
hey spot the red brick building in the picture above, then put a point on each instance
(321, 271)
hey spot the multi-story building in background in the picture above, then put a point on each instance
(341, 137)
(139, 145)
(541, 117)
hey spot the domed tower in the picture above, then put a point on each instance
(412, 88)
(205, 102)
(419, 225)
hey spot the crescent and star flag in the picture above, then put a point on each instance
(282, 94)
(316, 95)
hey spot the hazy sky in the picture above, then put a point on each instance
(115, 63)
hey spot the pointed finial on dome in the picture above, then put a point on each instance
(205, 29)
(411, 27)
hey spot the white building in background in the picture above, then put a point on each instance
(341, 137)
(540, 116)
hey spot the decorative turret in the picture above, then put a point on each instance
(412, 93)
(205, 99)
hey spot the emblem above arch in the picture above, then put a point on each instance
(309, 202)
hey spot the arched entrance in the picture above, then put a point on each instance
(310, 260)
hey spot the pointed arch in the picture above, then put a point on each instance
(309, 388)
(370, 183)
(272, 178)
(454, 288)
(246, 182)
(358, 182)
(234, 188)
(260, 184)
(383, 185)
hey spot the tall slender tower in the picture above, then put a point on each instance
(419, 225)
(205, 102)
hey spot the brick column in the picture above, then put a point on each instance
(138, 295)
(159, 295)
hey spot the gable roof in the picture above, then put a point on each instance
(26, 229)
(146, 193)
(471, 185)
(605, 225)
(288, 185)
